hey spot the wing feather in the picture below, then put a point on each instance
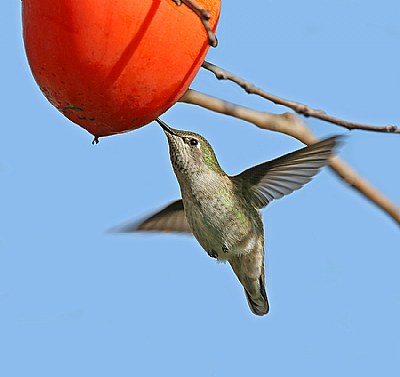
(277, 178)
(170, 219)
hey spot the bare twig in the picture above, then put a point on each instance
(291, 125)
(307, 111)
(204, 15)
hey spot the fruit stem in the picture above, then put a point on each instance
(204, 15)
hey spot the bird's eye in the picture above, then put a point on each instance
(193, 142)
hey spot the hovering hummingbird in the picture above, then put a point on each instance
(223, 212)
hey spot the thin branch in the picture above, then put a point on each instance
(307, 111)
(291, 125)
(204, 15)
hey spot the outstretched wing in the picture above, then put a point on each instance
(274, 179)
(170, 219)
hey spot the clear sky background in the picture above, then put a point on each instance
(76, 301)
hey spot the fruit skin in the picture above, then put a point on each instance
(114, 65)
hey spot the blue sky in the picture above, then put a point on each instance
(76, 301)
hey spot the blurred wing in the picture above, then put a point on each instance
(274, 179)
(170, 219)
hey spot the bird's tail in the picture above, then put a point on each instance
(257, 300)
(251, 276)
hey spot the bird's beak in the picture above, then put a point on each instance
(165, 127)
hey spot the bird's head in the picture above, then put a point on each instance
(189, 151)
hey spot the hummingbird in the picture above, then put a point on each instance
(223, 212)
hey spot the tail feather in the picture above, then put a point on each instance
(258, 301)
(250, 271)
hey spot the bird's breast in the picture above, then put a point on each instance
(223, 229)
(223, 222)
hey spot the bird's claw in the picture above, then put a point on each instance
(213, 254)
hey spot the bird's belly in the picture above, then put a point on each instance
(222, 236)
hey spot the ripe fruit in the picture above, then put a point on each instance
(114, 65)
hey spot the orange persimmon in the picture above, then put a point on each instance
(114, 65)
